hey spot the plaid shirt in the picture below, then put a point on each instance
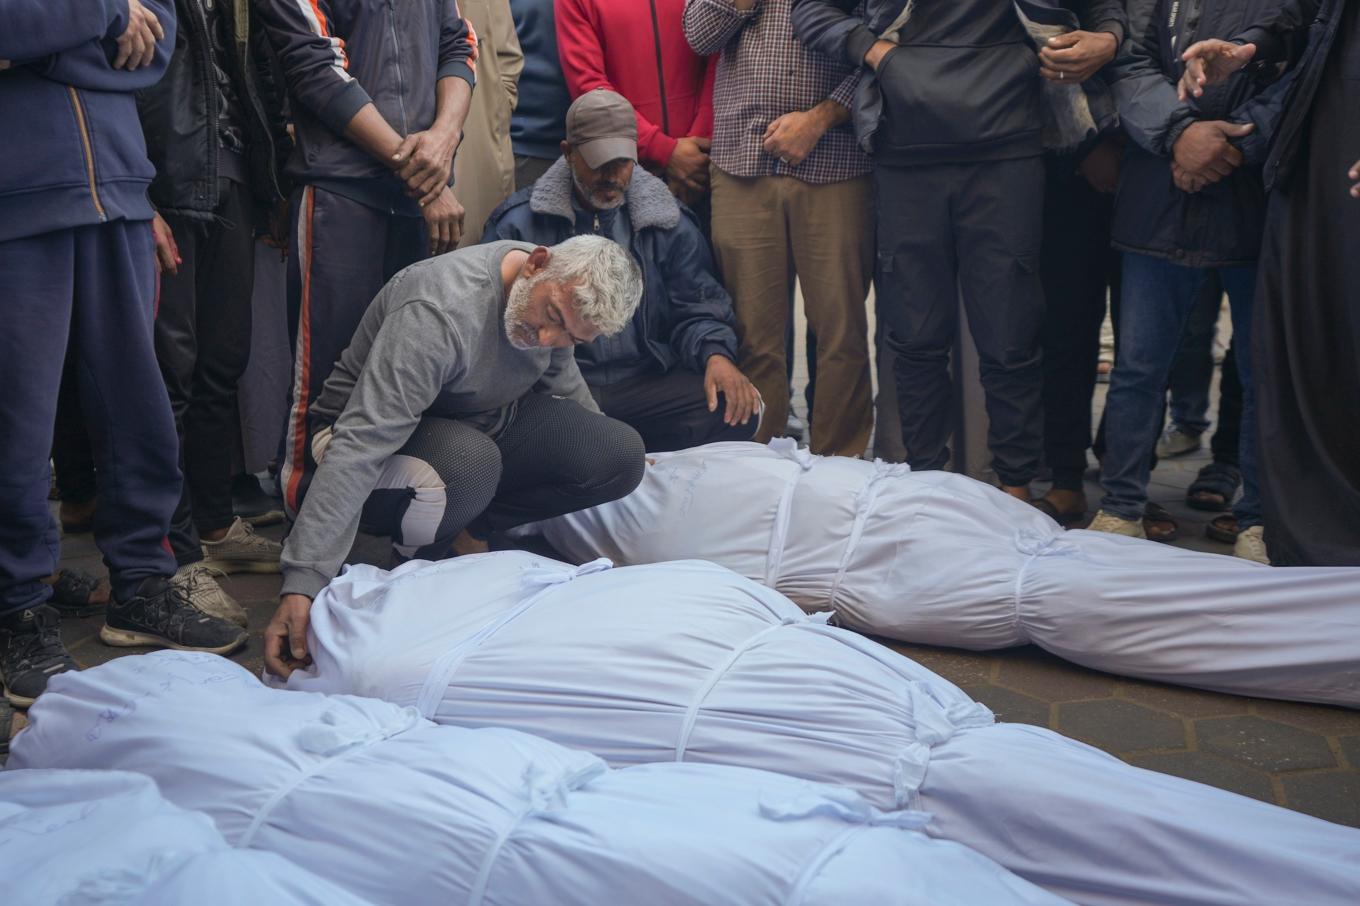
(765, 72)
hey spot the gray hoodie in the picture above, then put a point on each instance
(432, 343)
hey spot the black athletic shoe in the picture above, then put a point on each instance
(31, 652)
(160, 614)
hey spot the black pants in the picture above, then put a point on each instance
(554, 457)
(94, 285)
(203, 345)
(970, 229)
(1080, 271)
(73, 462)
(670, 411)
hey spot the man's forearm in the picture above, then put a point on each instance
(453, 97)
(830, 113)
(370, 131)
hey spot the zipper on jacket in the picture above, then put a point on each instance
(660, 72)
(88, 148)
(210, 100)
(396, 60)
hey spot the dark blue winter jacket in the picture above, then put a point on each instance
(72, 153)
(685, 315)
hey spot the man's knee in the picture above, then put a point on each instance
(619, 465)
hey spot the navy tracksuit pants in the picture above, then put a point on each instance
(343, 253)
(95, 285)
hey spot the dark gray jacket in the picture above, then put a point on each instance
(685, 314)
(339, 55)
(1221, 225)
(964, 85)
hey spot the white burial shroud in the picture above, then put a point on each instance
(402, 811)
(690, 662)
(99, 838)
(940, 559)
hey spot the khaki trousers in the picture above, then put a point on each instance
(766, 231)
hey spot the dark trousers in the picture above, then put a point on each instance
(203, 344)
(1159, 296)
(73, 464)
(669, 410)
(1193, 370)
(95, 286)
(554, 457)
(343, 252)
(975, 230)
(1079, 271)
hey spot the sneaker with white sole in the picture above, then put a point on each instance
(160, 614)
(1114, 525)
(242, 551)
(1177, 440)
(31, 653)
(1251, 545)
(199, 584)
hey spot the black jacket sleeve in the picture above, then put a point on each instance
(313, 59)
(831, 28)
(1153, 116)
(1102, 15)
(1282, 36)
(701, 315)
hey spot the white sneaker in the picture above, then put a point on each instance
(1251, 545)
(1177, 441)
(1114, 525)
(242, 551)
(199, 584)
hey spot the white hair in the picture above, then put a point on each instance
(605, 281)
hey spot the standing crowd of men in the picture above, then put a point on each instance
(529, 240)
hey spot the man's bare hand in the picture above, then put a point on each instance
(137, 43)
(1354, 173)
(880, 49)
(285, 638)
(4, 64)
(689, 163)
(167, 252)
(423, 162)
(743, 400)
(444, 219)
(792, 136)
(1210, 62)
(1203, 149)
(1101, 165)
(1076, 56)
(1186, 181)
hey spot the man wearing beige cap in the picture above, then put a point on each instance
(671, 373)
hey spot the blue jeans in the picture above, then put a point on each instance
(1193, 369)
(1158, 299)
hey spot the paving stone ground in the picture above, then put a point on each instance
(1302, 757)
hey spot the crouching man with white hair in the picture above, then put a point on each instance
(458, 405)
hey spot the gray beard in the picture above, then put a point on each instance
(596, 203)
(520, 335)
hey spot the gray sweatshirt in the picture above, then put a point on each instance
(431, 343)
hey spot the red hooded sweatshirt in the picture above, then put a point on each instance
(638, 49)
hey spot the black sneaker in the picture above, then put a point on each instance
(31, 652)
(160, 614)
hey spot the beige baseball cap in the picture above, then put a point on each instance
(602, 126)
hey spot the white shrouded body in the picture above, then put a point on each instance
(402, 811)
(690, 662)
(938, 558)
(99, 838)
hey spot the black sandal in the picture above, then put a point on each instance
(1214, 487)
(1066, 520)
(1154, 513)
(1222, 528)
(71, 594)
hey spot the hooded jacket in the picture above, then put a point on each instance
(73, 153)
(685, 314)
(964, 83)
(179, 114)
(1221, 225)
(339, 55)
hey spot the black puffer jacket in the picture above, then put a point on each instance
(1221, 225)
(179, 115)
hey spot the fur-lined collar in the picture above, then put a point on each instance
(650, 203)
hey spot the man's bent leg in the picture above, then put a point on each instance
(670, 411)
(125, 402)
(751, 247)
(442, 478)
(557, 458)
(833, 248)
(37, 288)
